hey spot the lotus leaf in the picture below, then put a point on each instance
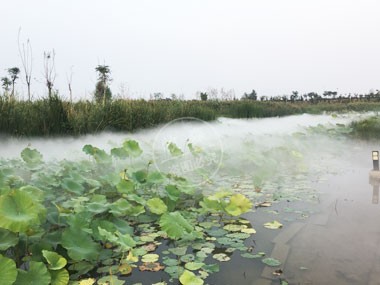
(248, 231)
(8, 271)
(36, 275)
(273, 225)
(111, 279)
(125, 187)
(151, 266)
(239, 204)
(32, 157)
(221, 257)
(88, 281)
(72, 186)
(125, 269)
(157, 206)
(234, 228)
(189, 278)
(133, 148)
(55, 260)
(194, 265)
(80, 245)
(174, 149)
(173, 192)
(7, 239)
(178, 250)
(151, 257)
(19, 211)
(187, 258)
(271, 262)
(59, 277)
(211, 268)
(175, 225)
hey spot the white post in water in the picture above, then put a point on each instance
(374, 177)
(375, 160)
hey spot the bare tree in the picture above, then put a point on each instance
(69, 82)
(49, 70)
(25, 52)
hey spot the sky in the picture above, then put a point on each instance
(182, 47)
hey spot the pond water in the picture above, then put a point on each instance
(315, 179)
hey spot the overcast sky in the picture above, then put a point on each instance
(176, 46)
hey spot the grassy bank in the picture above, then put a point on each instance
(52, 116)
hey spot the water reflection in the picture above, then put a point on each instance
(374, 180)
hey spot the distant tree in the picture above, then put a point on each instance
(294, 96)
(203, 96)
(6, 83)
(25, 52)
(158, 96)
(250, 96)
(13, 73)
(103, 93)
(49, 71)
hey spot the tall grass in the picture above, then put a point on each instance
(52, 116)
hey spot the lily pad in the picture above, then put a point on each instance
(150, 257)
(221, 257)
(189, 278)
(194, 265)
(273, 225)
(271, 262)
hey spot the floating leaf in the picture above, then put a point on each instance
(239, 204)
(151, 266)
(125, 269)
(111, 279)
(248, 231)
(211, 268)
(221, 257)
(150, 257)
(8, 271)
(271, 262)
(194, 265)
(156, 206)
(189, 278)
(37, 274)
(55, 260)
(273, 225)
(178, 250)
(88, 281)
(234, 228)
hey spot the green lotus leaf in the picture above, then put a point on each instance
(273, 225)
(239, 204)
(36, 193)
(175, 225)
(156, 206)
(72, 186)
(178, 250)
(132, 147)
(271, 262)
(155, 177)
(174, 271)
(170, 261)
(187, 258)
(98, 204)
(211, 268)
(56, 261)
(32, 157)
(234, 228)
(36, 275)
(173, 192)
(80, 245)
(98, 154)
(124, 208)
(211, 205)
(189, 278)
(125, 187)
(8, 271)
(7, 239)
(126, 242)
(59, 277)
(174, 149)
(140, 176)
(194, 265)
(119, 152)
(18, 211)
(136, 198)
(111, 279)
(150, 257)
(221, 257)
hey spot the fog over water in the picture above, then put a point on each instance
(205, 134)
